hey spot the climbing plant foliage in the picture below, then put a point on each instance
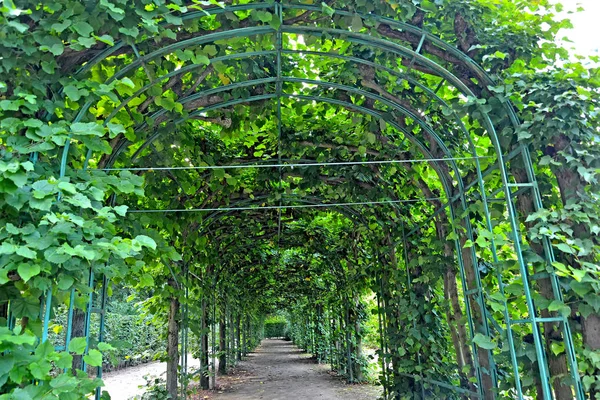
(233, 160)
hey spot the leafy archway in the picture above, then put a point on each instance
(261, 117)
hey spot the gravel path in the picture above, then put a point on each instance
(127, 383)
(278, 370)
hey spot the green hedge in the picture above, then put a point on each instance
(136, 339)
(276, 327)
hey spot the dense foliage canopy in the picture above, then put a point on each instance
(230, 160)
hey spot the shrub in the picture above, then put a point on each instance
(276, 327)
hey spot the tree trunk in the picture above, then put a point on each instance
(358, 347)
(238, 324)
(340, 346)
(4, 310)
(336, 343)
(232, 346)
(222, 343)
(316, 336)
(393, 327)
(347, 328)
(477, 313)
(454, 313)
(557, 364)
(173, 345)
(204, 376)
(77, 330)
(247, 337)
(571, 185)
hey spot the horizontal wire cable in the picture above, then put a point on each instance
(322, 205)
(282, 165)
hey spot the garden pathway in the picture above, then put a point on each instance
(278, 370)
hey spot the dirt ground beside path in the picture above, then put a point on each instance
(278, 370)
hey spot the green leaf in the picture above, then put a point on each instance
(581, 288)
(67, 187)
(565, 248)
(588, 381)
(106, 39)
(55, 257)
(79, 200)
(557, 347)
(146, 280)
(559, 306)
(326, 9)
(264, 16)
(50, 43)
(26, 307)
(78, 345)
(93, 358)
(146, 241)
(83, 28)
(133, 31)
(555, 305)
(485, 342)
(27, 271)
(65, 360)
(219, 173)
(121, 210)
(63, 383)
(275, 23)
(18, 26)
(7, 361)
(7, 336)
(65, 282)
(61, 26)
(86, 42)
(102, 346)
(357, 23)
(8, 248)
(40, 370)
(87, 128)
(74, 93)
(19, 178)
(26, 252)
(201, 59)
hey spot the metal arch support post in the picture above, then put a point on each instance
(537, 337)
(279, 87)
(184, 331)
(102, 311)
(550, 258)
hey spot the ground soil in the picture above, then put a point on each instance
(278, 370)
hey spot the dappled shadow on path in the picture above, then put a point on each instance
(278, 370)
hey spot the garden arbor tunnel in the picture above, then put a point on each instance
(323, 111)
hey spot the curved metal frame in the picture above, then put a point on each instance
(394, 48)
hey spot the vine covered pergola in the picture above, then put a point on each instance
(239, 157)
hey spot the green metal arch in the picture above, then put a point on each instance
(393, 48)
(444, 182)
